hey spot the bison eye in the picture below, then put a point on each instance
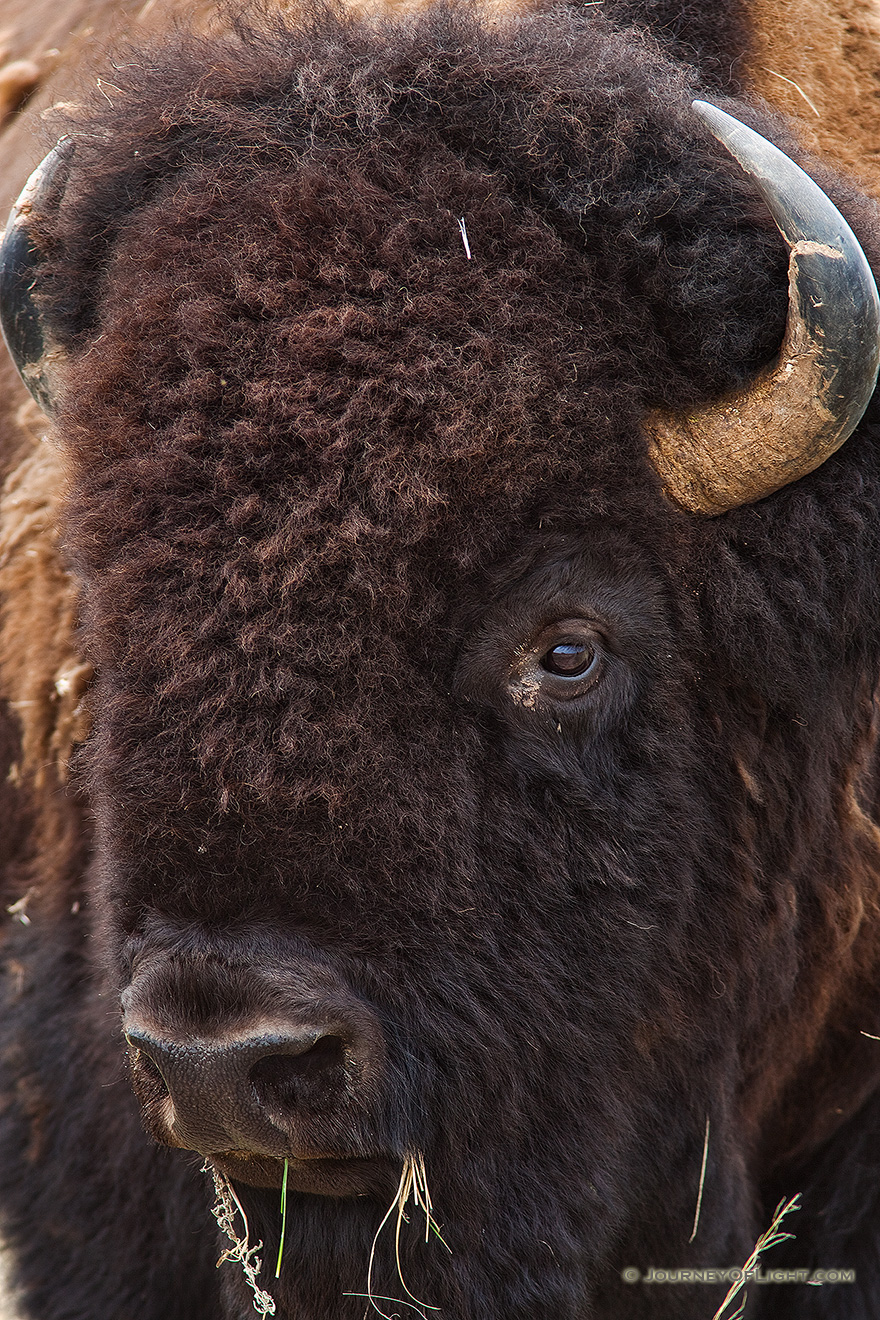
(569, 659)
(563, 663)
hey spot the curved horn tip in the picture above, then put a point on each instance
(28, 337)
(802, 408)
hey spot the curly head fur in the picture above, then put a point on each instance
(333, 473)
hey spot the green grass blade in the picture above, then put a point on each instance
(283, 1221)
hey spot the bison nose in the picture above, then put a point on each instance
(254, 1093)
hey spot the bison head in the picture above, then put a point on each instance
(462, 803)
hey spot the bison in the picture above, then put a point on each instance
(440, 634)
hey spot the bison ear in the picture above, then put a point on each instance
(802, 408)
(28, 336)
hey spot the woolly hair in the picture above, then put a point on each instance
(327, 470)
(715, 39)
(264, 232)
(588, 126)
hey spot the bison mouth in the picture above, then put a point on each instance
(329, 1176)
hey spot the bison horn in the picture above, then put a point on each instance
(27, 336)
(803, 407)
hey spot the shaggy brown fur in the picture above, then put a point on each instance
(330, 480)
(818, 61)
(40, 613)
(60, 40)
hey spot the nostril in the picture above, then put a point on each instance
(284, 1080)
(145, 1067)
(151, 1070)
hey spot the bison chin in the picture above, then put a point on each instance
(322, 1177)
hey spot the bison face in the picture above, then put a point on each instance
(315, 978)
(460, 802)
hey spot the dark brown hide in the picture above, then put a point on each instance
(336, 491)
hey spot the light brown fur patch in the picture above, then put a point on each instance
(823, 56)
(41, 674)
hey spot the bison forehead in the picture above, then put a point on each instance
(294, 376)
(307, 453)
(302, 412)
(284, 244)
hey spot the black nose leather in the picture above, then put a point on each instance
(230, 1053)
(247, 1093)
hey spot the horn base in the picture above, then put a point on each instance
(795, 414)
(703, 457)
(801, 409)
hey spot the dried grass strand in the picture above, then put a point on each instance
(702, 1181)
(413, 1183)
(772, 1238)
(224, 1209)
(797, 87)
